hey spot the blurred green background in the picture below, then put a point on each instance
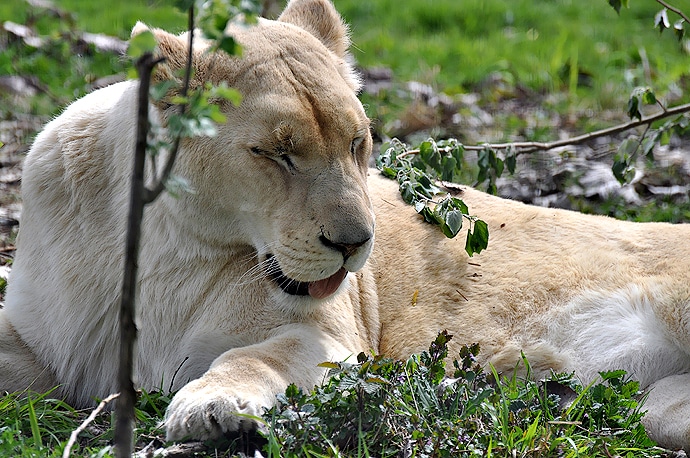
(582, 49)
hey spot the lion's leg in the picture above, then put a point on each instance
(245, 380)
(667, 420)
(19, 370)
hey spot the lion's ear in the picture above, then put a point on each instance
(174, 49)
(319, 18)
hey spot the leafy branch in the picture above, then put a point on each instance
(628, 150)
(531, 147)
(416, 174)
(492, 164)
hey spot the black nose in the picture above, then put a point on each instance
(346, 248)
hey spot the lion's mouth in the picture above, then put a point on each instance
(319, 289)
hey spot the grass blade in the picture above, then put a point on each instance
(35, 430)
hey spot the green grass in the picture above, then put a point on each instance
(544, 45)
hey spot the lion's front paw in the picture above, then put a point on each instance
(208, 413)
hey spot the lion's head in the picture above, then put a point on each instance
(286, 173)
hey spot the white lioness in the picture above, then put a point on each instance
(270, 266)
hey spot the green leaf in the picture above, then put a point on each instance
(458, 153)
(483, 161)
(612, 375)
(452, 223)
(648, 97)
(497, 164)
(179, 100)
(140, 44)
(634, 107)
(407, 192)
(216, 115)
(177, 185)
(158, 91)
(449, 166)
(640, 95)
(230, 46)
(628, 147)
(449, 213)
(428, 152)
(478, 239)
(511, 160)
(616, 4)
(648, 145)
(388, 172)
(224, 92)
(431, 216)
(459, 204)
(622, 162)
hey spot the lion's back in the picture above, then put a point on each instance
(65, 280)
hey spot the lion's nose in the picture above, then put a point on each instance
(346, 248)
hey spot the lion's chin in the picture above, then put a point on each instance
(319, 289)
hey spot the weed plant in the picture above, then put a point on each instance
(381, 407)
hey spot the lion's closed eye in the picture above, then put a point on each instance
(355, 144)
(277, 156)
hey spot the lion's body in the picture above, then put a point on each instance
(281, 192)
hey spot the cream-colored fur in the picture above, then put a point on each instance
(285, 185)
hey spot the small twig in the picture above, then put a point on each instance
(674, 9)
(151, 194)
(73, 437)
(462, 295)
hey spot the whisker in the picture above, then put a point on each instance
(258, 270)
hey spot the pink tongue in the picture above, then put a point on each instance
(324, 288)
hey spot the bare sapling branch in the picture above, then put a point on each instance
(125, 404)
(140, 196)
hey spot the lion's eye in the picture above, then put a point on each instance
(286, 159)
(355, 144)
(274, 156)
